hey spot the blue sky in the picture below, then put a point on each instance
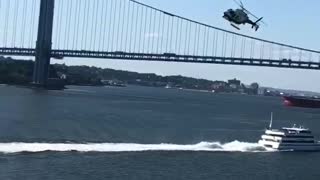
(293, 22)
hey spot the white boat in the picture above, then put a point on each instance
(289, 139)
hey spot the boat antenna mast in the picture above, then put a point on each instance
(270, 125)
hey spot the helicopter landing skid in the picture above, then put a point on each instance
(235, 26)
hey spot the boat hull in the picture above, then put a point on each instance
(306, 102)
(290, 147)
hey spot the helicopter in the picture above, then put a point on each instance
(241, 16)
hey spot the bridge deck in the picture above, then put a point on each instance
(167, 57)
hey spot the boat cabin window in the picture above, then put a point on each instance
(305, 132)
(293, 131)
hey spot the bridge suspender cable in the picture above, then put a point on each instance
(220, 29)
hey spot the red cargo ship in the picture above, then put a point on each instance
(302, 101)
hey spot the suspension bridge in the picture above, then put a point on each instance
(130, 30)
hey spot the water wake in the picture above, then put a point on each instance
(234, 146)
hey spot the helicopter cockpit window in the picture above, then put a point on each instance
(232, 13)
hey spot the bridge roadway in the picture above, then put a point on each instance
(165, 57)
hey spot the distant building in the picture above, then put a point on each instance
(261, 91)
(234, 83)
(268, 92)
(219, 86)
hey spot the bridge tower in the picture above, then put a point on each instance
(44, 43)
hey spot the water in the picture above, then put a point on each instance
(146, 133)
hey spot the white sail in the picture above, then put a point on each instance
(270, 125)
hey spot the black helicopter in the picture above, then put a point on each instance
(241, 16)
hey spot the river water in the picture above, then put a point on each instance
(146, 133)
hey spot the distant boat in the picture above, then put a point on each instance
(302, 101)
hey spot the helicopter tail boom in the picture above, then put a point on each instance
(258, 20)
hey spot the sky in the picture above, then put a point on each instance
(288, 21)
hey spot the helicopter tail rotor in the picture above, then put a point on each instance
(256, 25)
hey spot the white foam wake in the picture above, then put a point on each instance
(234, 146)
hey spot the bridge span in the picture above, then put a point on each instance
(130, 30)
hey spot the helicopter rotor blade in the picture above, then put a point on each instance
(238, 3)
(251, 13)
(241, 4)
(248, 12)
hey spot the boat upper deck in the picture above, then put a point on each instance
(294, 131)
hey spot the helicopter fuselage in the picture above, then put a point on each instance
(237, 16)
(241, 16)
